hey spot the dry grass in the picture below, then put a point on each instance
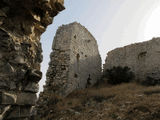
(122, 102)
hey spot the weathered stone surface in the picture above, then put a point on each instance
(15, 112)
(20, 112)
(32, 87)
(21, 24)
(8, 98)
(4, 112)
(12, 98)
(75, 64)
(26, 99)
(75, 60)
(143, 59)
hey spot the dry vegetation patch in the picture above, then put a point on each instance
(121, 102)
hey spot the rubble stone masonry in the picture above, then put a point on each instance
(75, 60)
(21, 24)
(143, 59)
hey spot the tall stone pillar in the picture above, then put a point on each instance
(21, 24)
(75, 63)
(75, 60)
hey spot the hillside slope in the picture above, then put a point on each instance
(121, 102)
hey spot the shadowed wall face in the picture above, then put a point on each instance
(21, 24)
(75, 60)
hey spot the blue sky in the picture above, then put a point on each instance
(114, 23)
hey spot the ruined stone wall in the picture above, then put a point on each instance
(143, 59)
(21, 24)
(74, 61)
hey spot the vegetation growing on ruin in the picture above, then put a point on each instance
(151, 81)
(127, 101)
(118, 75)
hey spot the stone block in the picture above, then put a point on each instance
(10, 98)
(35, 75)
(32, 87)
(19, 112)
(26, 99)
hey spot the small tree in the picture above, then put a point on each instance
(118, 75)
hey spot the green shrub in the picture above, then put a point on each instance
(118, 75)
(151, 81)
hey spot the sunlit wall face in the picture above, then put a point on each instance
(114, 23)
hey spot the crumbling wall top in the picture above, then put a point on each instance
(20, 16)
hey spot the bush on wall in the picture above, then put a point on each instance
(118, 75)
(151, 81)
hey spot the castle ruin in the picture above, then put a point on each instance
(143, 59)
(75, 60)
(21, 24)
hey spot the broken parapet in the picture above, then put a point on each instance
(143, 59)
(21, 24)
(75, 60)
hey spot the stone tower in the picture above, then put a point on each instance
(75, 60)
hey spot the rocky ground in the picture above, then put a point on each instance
(122, 102)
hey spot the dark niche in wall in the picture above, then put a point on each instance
(75, 75)
(142, 55)
(78, 56)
